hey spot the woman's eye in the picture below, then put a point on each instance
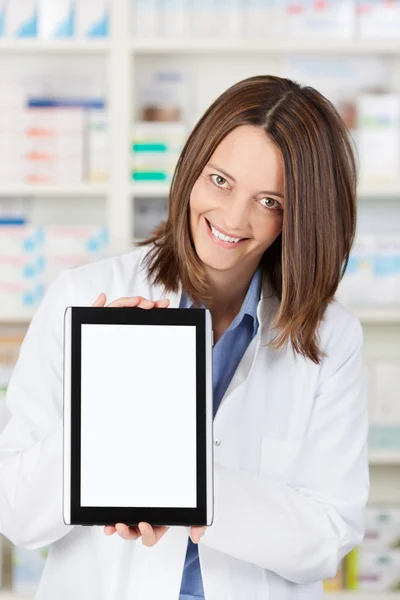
(218, 181)
(271, 203)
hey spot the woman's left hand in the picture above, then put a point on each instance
(150, 535)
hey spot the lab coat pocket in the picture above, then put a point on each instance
(278, 458)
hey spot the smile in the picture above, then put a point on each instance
(222, 239)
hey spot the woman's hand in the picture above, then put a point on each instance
(131, 301)
(150, 535)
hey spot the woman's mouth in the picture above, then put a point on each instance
(222, 240)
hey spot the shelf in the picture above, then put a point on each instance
(361, 596)
(87, 190)
(388, 192)
(376, 316)
(385, 458)
(248, 46)
(34, 45)
(12, 596)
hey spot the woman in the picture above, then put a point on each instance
(261, 222)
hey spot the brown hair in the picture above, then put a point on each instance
(307, 261)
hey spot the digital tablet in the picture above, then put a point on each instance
(138, 416)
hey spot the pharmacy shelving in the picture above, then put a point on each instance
(361, 596)
(388, 458)
(13, 596)
(35, 46)
(278, 46)
(376, 316)
(80, 190)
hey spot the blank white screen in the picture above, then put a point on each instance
(138, 416)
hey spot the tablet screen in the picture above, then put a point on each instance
(138, 416)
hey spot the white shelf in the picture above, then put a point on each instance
(384, 458)
(34, 45)
(248, 46)
(361, 596)
(393, 191)
(376, 316)
(86, 190)
(12, 596)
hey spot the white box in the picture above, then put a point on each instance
(97, 145)
(174, 18)
(377, 571)
(263, 18)
(202, 19)
(228, 14)
(92, 18)
(331, 18)
(2, 16)
(146, 18)
(356, 287)
(21, 18)
(382, 528)
(55, 19)
(379, 127)
(386, 267)
(378, 18)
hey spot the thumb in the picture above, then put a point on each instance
(100, 300)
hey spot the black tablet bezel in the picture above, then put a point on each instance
(132, 516)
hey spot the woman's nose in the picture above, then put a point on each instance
(236, 216)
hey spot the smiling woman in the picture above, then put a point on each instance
(270, 164)
(261, 221)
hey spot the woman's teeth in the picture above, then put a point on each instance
(223, 237)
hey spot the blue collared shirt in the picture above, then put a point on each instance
(227, 353)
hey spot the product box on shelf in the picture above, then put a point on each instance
(2, 16)
(174, 18)
(356, 287)
(146, 18)
(21, 18)
(382, 528)
(330, 18)
(56, 19)
(31, 258)
(378, 18)
(373, 571)
(386, 269)
(384, 405)
(92, 18)
(378, 124)
(262, 19)
(97, 167)
(202, 19)
(156, 149)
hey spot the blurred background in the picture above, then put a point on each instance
(97, 98)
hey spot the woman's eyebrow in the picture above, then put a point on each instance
(234, 181)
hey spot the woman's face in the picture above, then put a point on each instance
(239, 193)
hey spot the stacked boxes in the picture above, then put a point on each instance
(31, 257)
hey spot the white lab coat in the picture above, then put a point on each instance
(291, 467)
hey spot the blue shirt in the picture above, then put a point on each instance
(227, 353)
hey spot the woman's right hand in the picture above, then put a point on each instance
(151, 534)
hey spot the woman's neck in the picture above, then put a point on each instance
(228, 291)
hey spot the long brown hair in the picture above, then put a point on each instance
(307, 261)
